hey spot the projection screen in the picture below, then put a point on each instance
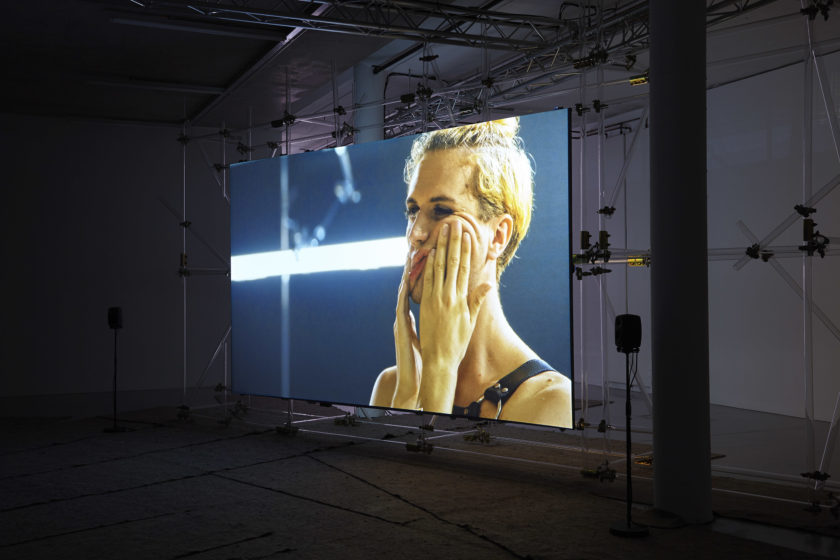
(319, 244)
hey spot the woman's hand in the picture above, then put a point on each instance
(448, 312)
(409, 365)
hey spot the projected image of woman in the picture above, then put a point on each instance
(468, 207)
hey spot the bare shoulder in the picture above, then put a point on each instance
(547, 380)
(383, 388)
(543, 399)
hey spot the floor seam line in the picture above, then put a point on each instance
(464, 526)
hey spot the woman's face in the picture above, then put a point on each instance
(439, 194)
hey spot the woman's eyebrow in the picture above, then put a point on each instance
(433, 199)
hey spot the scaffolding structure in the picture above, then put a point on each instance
(814, 244)
(537, 70)
(541, 56)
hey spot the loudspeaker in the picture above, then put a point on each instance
(115, 317)
(628, 333)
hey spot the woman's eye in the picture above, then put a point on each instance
(442, 211)
(437, 211)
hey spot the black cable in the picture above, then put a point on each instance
(634, 367)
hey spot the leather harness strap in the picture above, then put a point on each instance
(502, 390)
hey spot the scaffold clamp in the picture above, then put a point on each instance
(804, 211)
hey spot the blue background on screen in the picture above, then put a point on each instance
(341, 323)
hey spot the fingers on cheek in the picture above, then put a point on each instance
(443, 234)
(468, 225)
(470, 222)
(465, 254)
(440, 230)
(468, 237)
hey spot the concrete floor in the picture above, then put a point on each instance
(202, 488)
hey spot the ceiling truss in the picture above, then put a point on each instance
(416, 20)
(545, 53)
(612, 38)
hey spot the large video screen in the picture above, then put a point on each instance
(427, 273)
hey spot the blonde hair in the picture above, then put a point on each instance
(503, 178)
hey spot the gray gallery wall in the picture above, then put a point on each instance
(755, 176)
(85, 228)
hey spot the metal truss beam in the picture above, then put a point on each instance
(623, 32)
(545, 52)
(421, 20)
(417, 20)
(719, 11)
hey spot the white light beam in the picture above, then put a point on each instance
(359, 255)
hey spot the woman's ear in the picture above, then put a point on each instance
(501, 236)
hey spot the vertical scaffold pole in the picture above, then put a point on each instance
(807, 271)
(285, 336)
(424, 98)
(227, 197)
(335, 106)
(602, 279)
(626, 220)
(184, 262)
(584, 381)
(485, 68)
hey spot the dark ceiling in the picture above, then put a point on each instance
(242, 62)
(70, 58)
(112, 60)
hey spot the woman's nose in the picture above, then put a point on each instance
(418, 231)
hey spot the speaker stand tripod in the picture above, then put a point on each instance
(115, 323)
(626, 527)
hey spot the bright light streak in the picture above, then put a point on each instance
(360, 255)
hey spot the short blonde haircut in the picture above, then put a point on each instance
(502, 181)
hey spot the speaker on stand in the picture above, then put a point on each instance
(115, 322)
(628, 339)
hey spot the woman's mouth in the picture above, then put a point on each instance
(418, 263)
